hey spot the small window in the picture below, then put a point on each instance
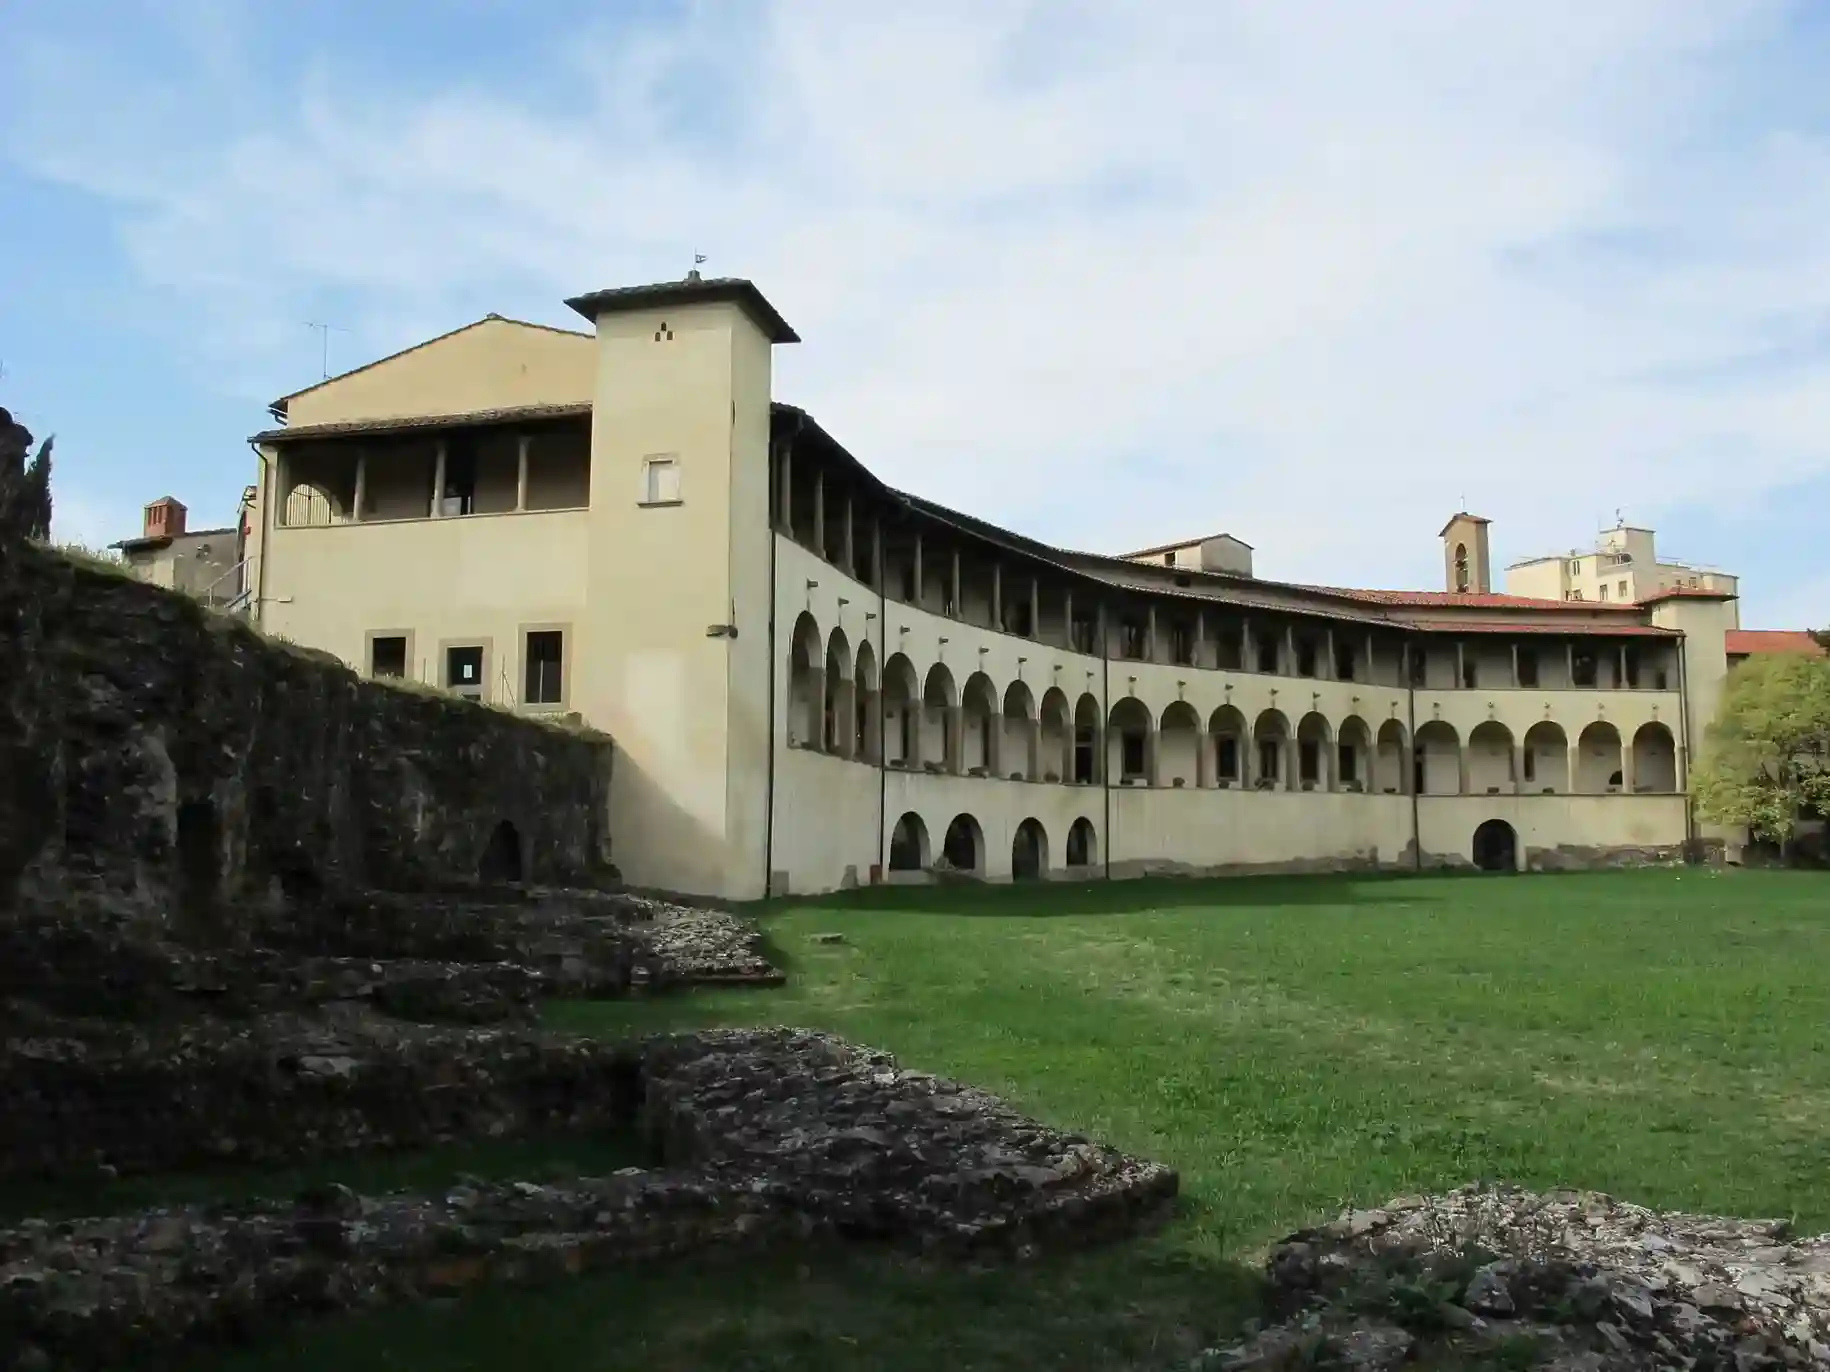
(388, 656)
(1601, 592)
(1575, 567)
(464, 670)
(545, 663)
(1623, 590)
(1169, 559)
(661, 481)
(1575, 595)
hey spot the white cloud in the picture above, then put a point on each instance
(1310, 272)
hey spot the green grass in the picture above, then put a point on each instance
(1291, 1046)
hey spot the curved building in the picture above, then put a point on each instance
(815, 681)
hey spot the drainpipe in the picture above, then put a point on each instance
(883, 755)
(1103, 758)
(1410, 762)
(268, 518)
(1690, 808)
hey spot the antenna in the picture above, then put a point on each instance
(324, 333)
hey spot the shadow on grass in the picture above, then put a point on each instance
(1138, 1305)
(1041, 900)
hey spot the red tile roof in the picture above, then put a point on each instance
(1474, 600)
(1744, 642)
(1529, 626)
(1687, 593)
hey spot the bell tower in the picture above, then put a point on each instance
(1467, 569)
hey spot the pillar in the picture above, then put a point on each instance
(921, 589)
(1248, 659)
(956, 607)
(1369, 675)
(997, 596)
(1200, 638)
(1626, 765)
(954, 744)
(1150, 634)
(1287, 663)
(360, 502)
(1326, 668)
(1461, 664)
(1151, 777)
(1205, 761)
(1569, 664)
(1518, 770)
(819, 515)
(1293, 760)
(522, 444)
(787, 494)
(1515, 666)
(1620, 673)
(438, 481)
(851, 548)
(1035, 613)
(1067, 609)
(877, 561)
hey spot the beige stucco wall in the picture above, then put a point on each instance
(1446, 824)
(493, 364)
(825, 822)
(1158, 830)
(477, 579)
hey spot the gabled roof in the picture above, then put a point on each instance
(1748, 642)
(694, 290)
(278, 408)
(1461, 514)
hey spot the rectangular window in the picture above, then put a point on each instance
(1623, 590)
(545, 662)
(460, 494)
(1601, 592)
(1132, 749)
(1528, 667)
(1575, 595)
(1575, 567)
(1582, 668)
(1169, 559)
(661, 481)
(1229, 758)
(464, 670)
(388, 656)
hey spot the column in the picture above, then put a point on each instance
(954, 589)
(787, 495)
(1626, 764)
(438, 482)
(1369, 666)
(1035, 613)
(844, 720)
(522, 444)
(1515, 665)
(851, 549)
(1248, 654)
(997, 596)
(1150, 633)
(872, 750)
(1293, 765)
(877, 560)
(994, 744)
(1461, 766)
(819, 515)
(1461, 665)
(1327, 667)
(1101, 645)
(953, 745)
(1204, 758)
(360, 503)
(1287, 663)
(1200, 638)
(1151, 777)
(921, 589)
(1569, 663)
(1518, 765)
(1575, 768)
(1067, 609)
(1620, 668)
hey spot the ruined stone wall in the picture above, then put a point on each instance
(164, 762)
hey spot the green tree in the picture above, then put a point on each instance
(1766, 758)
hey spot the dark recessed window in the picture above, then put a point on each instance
(545, 668)
(388, 656)
(464, 670)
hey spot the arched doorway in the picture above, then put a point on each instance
(1496, 847)
(1029, 852)
(909, 844)
(501, 862)
(964, 847)
(1082, 844)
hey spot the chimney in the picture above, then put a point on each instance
(165, 519)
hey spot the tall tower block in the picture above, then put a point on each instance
(675, 641)
(1466, 564)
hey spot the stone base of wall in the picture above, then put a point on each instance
(1365, 861)
(1571, 857)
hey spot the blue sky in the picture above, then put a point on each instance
(1314, 273)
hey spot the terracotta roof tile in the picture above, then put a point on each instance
(1474, 600)
(1746, 642)
(409, 423)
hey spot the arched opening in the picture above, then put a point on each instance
(1314, 741)
(1178, 746)
(1544, 763)
(964, 847)
(1437, 760)
(1082, 844)
(1087, 752)
(310, 505)
(1461, 567)
(1270, 760)
(866, 707)
(1055, 744)
(839, 731)
(199, 853)
(806, 683)
(1654, 758)
(1353, 755)
(909, 845)
(1128, 743)
(1232, 743)
(1018, 746)
(901, 713)
(501, 861)
(939, 721)
(1598, 759)
(1496, 847)
(980, 724)
(1029, 852)
(1392, 768)
(1490, 759)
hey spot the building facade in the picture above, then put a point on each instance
(814, 680)
(1622, 567)
(205, 563)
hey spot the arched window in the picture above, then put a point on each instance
(1082, 844)
(909, 845)
(1461, 566)
(964, 848)
(1029, 852)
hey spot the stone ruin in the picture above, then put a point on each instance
(1494, 1276)
(256, 911)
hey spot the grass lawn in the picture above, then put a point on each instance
(1290, 1045)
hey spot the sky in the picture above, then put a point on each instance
(1317, 273)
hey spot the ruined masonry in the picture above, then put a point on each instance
(257, 911)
